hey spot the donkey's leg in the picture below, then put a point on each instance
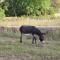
(21, 38)
(33, 39)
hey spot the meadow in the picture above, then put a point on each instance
(12, 49)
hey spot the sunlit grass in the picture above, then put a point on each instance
(14, 21)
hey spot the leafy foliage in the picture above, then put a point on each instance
(1, 13)
(26, 7)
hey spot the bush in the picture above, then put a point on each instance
(2, 13)
(27, 7)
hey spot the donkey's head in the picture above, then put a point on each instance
(42, 38)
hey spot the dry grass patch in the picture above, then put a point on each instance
(14, 21)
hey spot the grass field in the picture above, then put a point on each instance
(12, 49)
(18, 21)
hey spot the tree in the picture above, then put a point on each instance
(26, 7)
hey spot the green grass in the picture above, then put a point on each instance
(27, 50)
(11, 48)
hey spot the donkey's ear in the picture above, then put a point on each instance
(43, 33)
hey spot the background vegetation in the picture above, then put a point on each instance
(28, 7)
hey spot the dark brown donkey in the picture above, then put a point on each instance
(33, 31)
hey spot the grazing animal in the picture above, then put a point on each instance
(33, 31)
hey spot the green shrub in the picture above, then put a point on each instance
(27, 7)
(2, 13)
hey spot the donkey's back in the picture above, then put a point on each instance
(27, 29)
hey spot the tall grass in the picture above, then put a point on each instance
(51, 33)
(8, 21)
